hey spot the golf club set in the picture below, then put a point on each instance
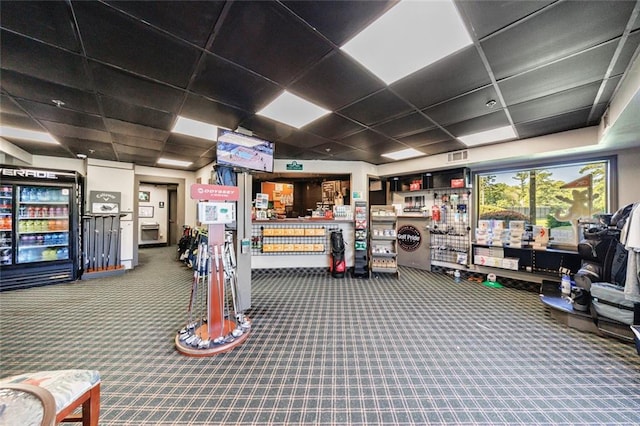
(101, 242)
(209, 261)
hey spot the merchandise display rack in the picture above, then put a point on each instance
(383, 240)
(450, 230)
(360, 268)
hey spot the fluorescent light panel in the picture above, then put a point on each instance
(403, 154)
(292, 110)
(410, 36)
(170, 162)
(488, 136)
(27, 135)
(198, 129)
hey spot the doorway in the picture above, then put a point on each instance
(173, 233)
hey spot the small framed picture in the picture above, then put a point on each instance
(144, 196)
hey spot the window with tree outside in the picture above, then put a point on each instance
(556, 197)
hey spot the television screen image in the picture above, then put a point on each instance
(245, 152)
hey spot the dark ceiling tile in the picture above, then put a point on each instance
(336, 81)
(134, 141)
(340, 20)
(452, 76)
(116, 39)
(23, 86)
(92, 149)
(366, 139)
(479, 124)
(391, 146)
(199, 108)
(333, 126)
(279, 55)
(123, 111)
(66, 130)
(131, 150)
(267, 129)
(8, 106)
(575, 71)
(609, 89)
(42, 61)
(425, 138)
(135, 90)
(486, 17)
(555, 104)
(311, 155)
(303, 140)
(191, 152)
(472, 104)
(142, 160)
(135, 130)
(226, 83)
(200, 163)
(284, 150)
(442, 147)
(331, 149)
(406, 125)
(49, 149)
(20, 121)
(562, 123)
(50, 112)
(27, 17)
(556, 32)
(189, 20)
(628, 50)
(188, 142)
(378, 107)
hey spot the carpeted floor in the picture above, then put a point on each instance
(416, 350)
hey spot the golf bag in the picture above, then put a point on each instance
(338, 265)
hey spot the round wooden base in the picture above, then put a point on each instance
(214, 348)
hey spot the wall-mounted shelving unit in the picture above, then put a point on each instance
(360, 254)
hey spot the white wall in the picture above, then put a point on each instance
(628, 177)
(159, 201)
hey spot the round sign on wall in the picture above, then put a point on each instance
(409, 237)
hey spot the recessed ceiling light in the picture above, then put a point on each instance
(491, 103)
(195, 128)
(410, 36)
(488, 136)
(58, 102)
(170, 162)
(292, 110)
(403, 154)
(27, 135)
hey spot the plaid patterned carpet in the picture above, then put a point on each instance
(415, 350)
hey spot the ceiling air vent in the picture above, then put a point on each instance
(456, 156)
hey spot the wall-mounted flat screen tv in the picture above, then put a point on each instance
(245, 152)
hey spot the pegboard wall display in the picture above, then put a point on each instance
(294, 239)
(449, 232)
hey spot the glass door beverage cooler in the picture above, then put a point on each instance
(39, 227)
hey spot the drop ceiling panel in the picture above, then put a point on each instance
(8, 106)
(49, 112)
(135, 130)
(53, 150)
(131, 150)
(39, 60)
(375, 108)
(117, 109)
(569, 121)
(558, 31)
(303, 140)
(20, 121)
(267, 129)
(558, 103)
(134, 141)
(26, 17)
(575, 71)
(336, 81)
(202, 109)
(188, 142)
(479, 124)
(333, 126)
(92, 149)
(116, 39)
(452, 76)
(189, 20)
(224, 82)
(426, 138)
(442, 147)
(280, 55)
(406, 125)
(181, 150)
(339, 20)
(366, 139)
(69, 131)
(24, 86)
(473, 104)
(135, 90)
(628, 50)
(488, 17)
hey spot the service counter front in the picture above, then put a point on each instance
(413, 242)
(297, 243)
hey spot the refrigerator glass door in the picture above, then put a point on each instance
(6, 222)
(42, 223)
